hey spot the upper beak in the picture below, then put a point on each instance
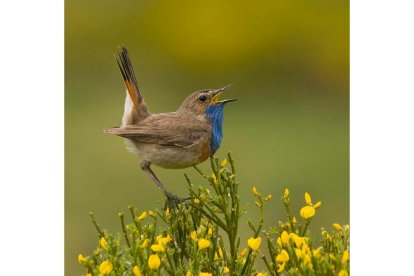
(216, 95)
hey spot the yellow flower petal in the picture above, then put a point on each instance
(261, 274)
(154, 262)
(254, 243)
(213, 177)
(286, 193)
(196, 201)
(144, 244)
(308, 199)
(254, 191)
(317, 204)
(103, 243)
(307, 212)
(157, 248)
(337, 226)
(136, 271)
(164, 240)
(105, 267)
(151, 213)
(269, 197)
(298, 253)
(203, 243)
(343, 273)
(345, 256)
(205, 274)
(142, 216)
(226, 269)
(189, 273)
(210, 232)
(285, 237)
(282, 257)
(223, 163)
(81, 258)
(281, 267)
(244, 252)
(193, 235)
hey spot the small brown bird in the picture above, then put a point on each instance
(173, 140)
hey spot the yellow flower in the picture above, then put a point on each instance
(167, 212)
(269, 197)
(210, 232)
(337, 226)
(220, 252)
(213, 177)
(226, 269)
(196, 201)
(136, 271)
(203, 243)
(345, 256)
(254, 191)
(103, 243)
(144, 244)
(343, 273)
(281, 267)
(151, 213)
(142, 216)
(279, 242)
(157, 248)
(307, 212)
(81, 258)
(164, 240)
(193, 235)
(244, 252)
(261, 274)
(205, 274)
(298, 253)
(223, 163)
(154, 262)
(294, 220)
(282, 257)
(189, 273)
(105, 267)
(317, 204)
(308, 199)
(286, 193)
(317, 252)
(254, 243)
(285, 237)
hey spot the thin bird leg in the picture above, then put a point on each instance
(172, 199)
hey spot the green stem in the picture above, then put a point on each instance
(121, 215)
(101, 234)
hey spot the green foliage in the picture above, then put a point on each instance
(201, 238)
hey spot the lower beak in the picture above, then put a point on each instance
(217, 93)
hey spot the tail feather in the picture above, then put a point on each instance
(139, 110)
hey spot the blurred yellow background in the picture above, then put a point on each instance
(289, 61)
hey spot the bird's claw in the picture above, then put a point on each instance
(173, 201)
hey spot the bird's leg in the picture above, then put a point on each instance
(172, 199)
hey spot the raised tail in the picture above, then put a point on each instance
(135, 109)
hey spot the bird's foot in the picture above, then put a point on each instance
(173, 201)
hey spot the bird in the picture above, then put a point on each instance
(173, 140)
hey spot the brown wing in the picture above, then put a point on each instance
(168, 129)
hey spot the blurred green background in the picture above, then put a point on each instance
(289, 61)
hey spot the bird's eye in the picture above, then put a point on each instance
(202, 98)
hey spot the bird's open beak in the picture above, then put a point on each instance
(217, 93)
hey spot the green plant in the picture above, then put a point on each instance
(201, 237)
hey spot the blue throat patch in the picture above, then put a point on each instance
(215, 114)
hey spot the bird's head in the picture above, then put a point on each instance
(199, 101)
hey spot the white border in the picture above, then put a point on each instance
(31, 144)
